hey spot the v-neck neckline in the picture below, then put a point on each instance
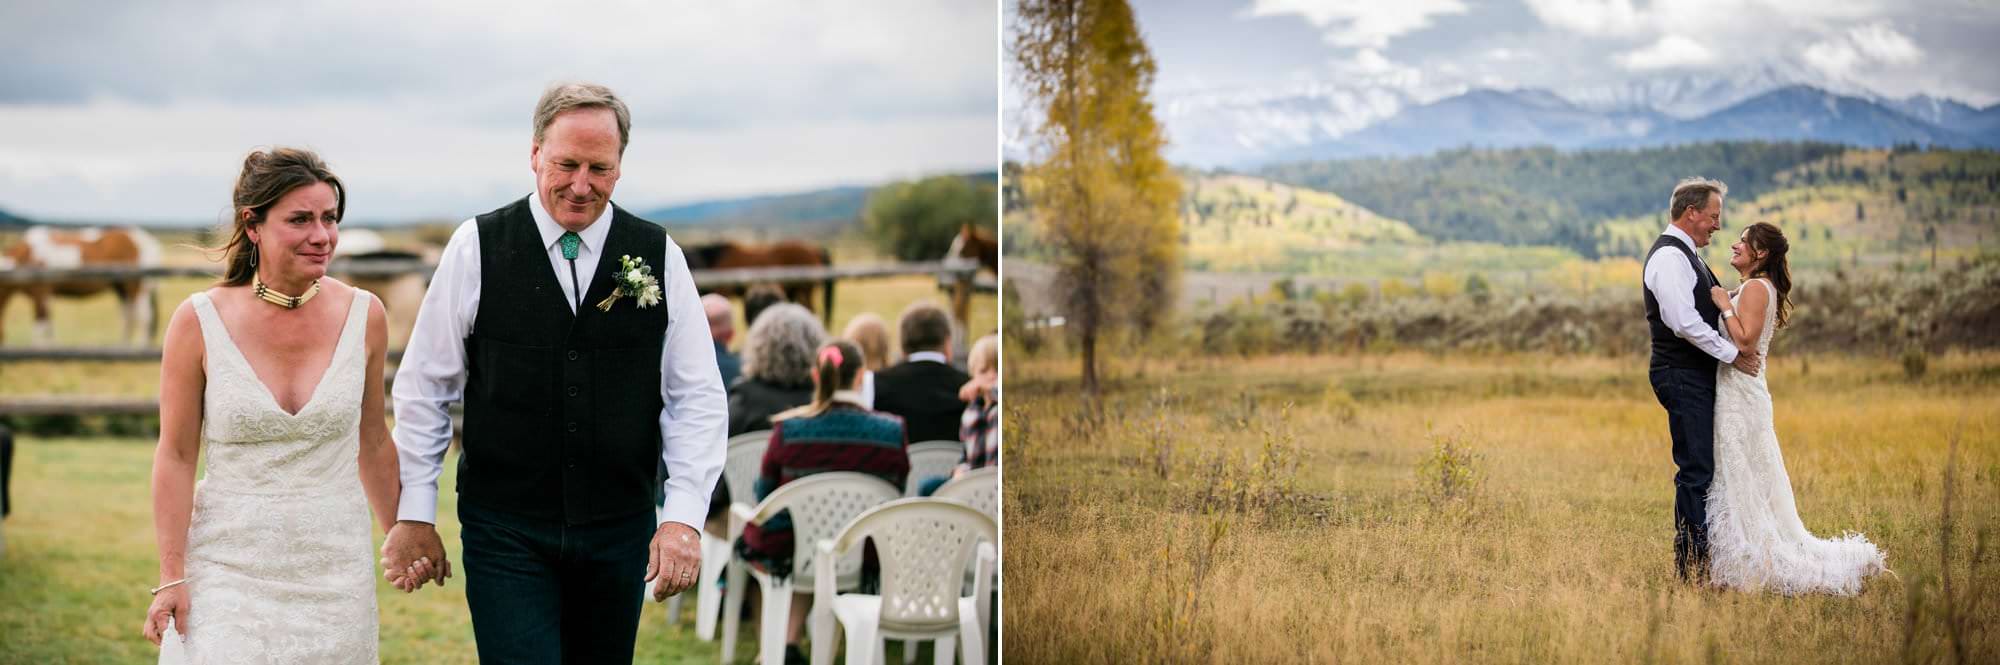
(272, 397)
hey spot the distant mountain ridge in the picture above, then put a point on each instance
(1805, 113)
(835, 205)
(10, 220)
(1507, 119)
(1247, 129)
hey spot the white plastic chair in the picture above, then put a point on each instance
(931, 459)
(924, 544)
(820, 504)
(739, 472)
(979, 488)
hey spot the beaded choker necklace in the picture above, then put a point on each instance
(265, 293)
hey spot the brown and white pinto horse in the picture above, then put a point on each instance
(51, 248)
(973, 242)
(726, 255)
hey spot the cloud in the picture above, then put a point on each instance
(121, 161)
(1861, 47)
(1360, 24)
(1593, 17)
(136, 110)
(1671, 51)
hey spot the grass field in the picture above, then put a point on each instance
(80, 550)
(1426, 508)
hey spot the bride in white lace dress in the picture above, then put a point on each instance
(277, 375)
(1756, 540)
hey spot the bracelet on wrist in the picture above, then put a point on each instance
(156, 590)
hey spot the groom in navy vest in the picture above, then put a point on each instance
(1686, 348)
(581, 375)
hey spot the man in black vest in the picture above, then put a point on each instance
(1686, 348)
(580, 375)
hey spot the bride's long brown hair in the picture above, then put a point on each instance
(1763, 237)
(268, 175)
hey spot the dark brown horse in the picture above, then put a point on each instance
(726, 255)
(973, 242)
(52, 248)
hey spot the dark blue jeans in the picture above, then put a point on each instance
(1689, 397)
(543, 593)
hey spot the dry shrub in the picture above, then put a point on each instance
(1449, 476)
(1340, 404)
(1179, 630)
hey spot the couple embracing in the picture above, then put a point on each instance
(1735, 523)
(573, 335)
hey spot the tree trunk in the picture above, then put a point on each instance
(1090, 362)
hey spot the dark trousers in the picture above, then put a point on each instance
(544, 593)
(1689, 397)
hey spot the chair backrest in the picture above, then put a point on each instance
(821, 504)
(739, 470)
(924, 545)
(932, 459)
(979, 488)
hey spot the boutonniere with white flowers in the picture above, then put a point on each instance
(635, 279)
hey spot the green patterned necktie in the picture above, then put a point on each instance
(569, 242)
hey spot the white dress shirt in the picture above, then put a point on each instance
(1672, 281)
(694, 424)
(937, 357)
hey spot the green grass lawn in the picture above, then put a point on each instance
(80, 557)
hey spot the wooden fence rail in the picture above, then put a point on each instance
(100, 405)
(391, 267)
(961, 277)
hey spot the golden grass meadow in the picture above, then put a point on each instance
(1412, 507)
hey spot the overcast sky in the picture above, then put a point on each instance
(1377, 55)
(142, 111)
(1432, 48)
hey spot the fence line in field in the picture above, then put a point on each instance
(960, 277)
(100, 405)
(394, 267)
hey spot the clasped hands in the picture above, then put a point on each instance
(413, 554)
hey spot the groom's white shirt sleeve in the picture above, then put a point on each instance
(431, 375)
(693, 425)
(1672, 281)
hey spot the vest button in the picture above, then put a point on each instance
(572, 428)
(573, 354)
(573, 391)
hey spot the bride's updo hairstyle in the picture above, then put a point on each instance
(1763, 237)
(268, 175)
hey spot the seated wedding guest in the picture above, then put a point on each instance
(758, 299)
(777, 375)
(777, 367)
(833, 433)
(722, 328)
(868, 331)
(979, 426)
(924, 388)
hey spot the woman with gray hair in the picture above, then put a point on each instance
(777, 367)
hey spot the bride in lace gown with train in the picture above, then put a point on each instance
(268, 559)
(1756, 539)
